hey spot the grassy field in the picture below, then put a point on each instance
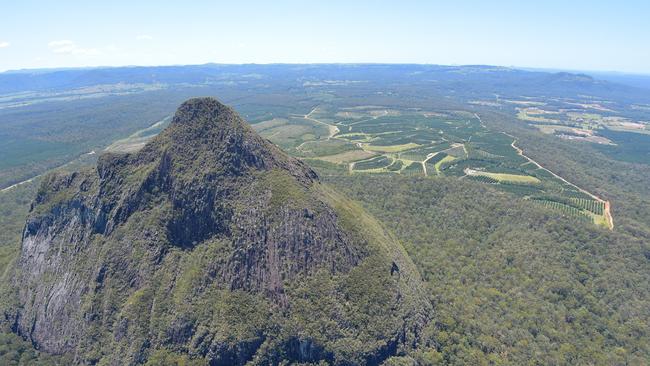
(391, 148)
(444, 160)
(347, 157)
(315, 148)
(502, 177)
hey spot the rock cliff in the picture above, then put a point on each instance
(210, 243)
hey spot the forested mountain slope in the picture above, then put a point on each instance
(209, 243)
(513, 284)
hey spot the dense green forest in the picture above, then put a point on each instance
(14, 205)
(511, 283)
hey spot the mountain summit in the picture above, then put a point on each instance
(210, 244)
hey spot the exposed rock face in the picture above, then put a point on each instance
(210, 242)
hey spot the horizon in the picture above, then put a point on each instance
(365, 182)
(512, 67)
(589, 36)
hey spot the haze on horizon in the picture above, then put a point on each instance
(581, 35)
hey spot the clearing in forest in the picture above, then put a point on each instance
(383, 140)
(503, 177)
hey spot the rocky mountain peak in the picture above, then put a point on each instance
(207, 139)
(205, 109)
(203, 118)
(212, 242)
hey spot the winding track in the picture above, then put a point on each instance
(39, 175)
(606, 211)
(19, 183)
(333, 130)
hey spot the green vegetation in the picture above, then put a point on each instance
(502, 177)
(415, 168)
(420, 154)
(14, 205)
(294, 132)
(391, 148)
(512, 283)
(630, 147)
(325, 148)
(347, 157)
(284, 190)
(517, 272)
(567, 209)
(242, 258)
(620, 134)
(590, 205)
(373, 163)
(446, 159)
(418, 143)
(395, 166)
(138, 139)
(14, 351)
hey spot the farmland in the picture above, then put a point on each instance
(621, 133)
(414, 142)
(503, 177)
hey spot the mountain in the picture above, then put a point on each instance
(481, 80)
(210, 244)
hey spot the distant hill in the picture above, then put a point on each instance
(638, 81)
(482, 79)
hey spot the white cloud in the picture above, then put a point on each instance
(144, 37)
(67, 47)
(4, 44)
(61, 46)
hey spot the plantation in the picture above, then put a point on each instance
(502, 177)
(411, 142)
(373, 163)
(569, 210)
(590, 205)
(420, 154)
(395, 166)
(414, 168)
(391, 148)
(482, 179)
(437, 158)
(576, 207)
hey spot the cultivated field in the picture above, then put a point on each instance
(382, 140)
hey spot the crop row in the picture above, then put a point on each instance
(373, 163)
(566, 209)
(594, 206)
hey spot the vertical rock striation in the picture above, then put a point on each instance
(213, 244)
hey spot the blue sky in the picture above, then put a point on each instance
(579, 35)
